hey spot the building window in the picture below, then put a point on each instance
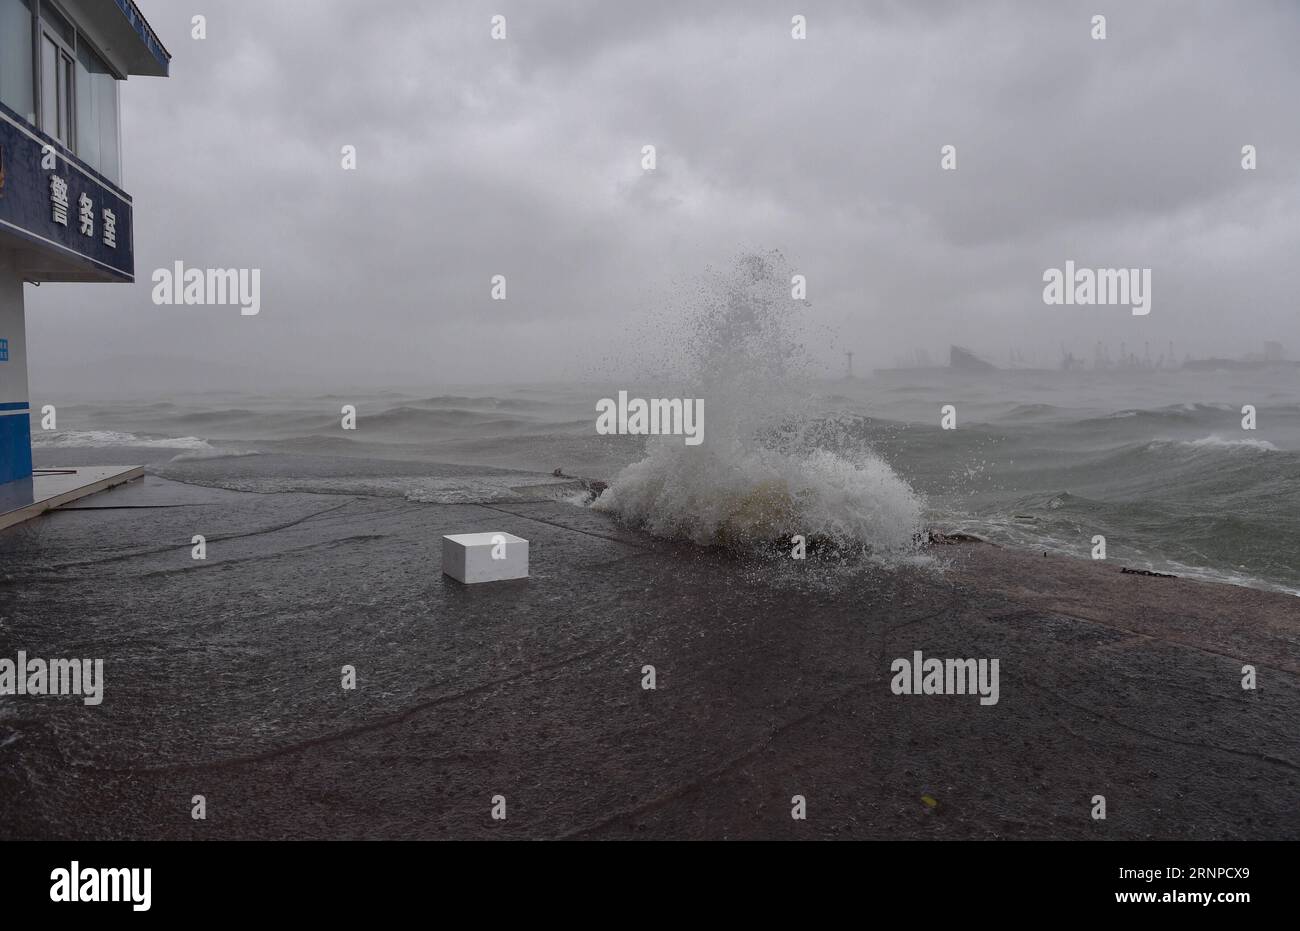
(75, 100)
(75, 97)
(16, 89)
(97, 117)
(57, 89)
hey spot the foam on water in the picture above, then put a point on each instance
(113, 438)
(1219, 442)
(213, 452)
(760, 475)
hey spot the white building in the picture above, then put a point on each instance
(63, 213)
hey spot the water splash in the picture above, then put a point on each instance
(767, 469)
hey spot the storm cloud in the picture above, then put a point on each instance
(523, 158)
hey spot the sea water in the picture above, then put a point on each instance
(1157, 462)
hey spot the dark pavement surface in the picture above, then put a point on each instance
(223, 679)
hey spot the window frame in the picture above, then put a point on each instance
(42, 29)
(65, 109)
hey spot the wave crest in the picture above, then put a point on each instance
(764, 472)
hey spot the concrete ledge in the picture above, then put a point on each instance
(50, 488)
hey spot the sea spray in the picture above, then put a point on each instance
(766, 470)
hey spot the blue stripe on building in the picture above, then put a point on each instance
(15, 446)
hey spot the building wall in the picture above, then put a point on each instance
(15, 419)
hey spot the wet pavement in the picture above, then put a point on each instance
(223, 679)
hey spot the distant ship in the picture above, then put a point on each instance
(1210, 365)
(959, 360)
(1273, 357)
(963, 360)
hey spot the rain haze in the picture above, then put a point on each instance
(523, 158)
(671, 420)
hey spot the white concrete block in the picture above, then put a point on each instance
(484, 557)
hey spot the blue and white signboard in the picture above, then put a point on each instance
(55, 201)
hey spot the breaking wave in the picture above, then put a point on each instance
(110, 438)
(765, 470)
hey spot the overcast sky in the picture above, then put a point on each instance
(522, 157)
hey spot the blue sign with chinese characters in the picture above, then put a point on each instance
(62, 206)
(4, 350)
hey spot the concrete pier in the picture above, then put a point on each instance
(46, 489)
